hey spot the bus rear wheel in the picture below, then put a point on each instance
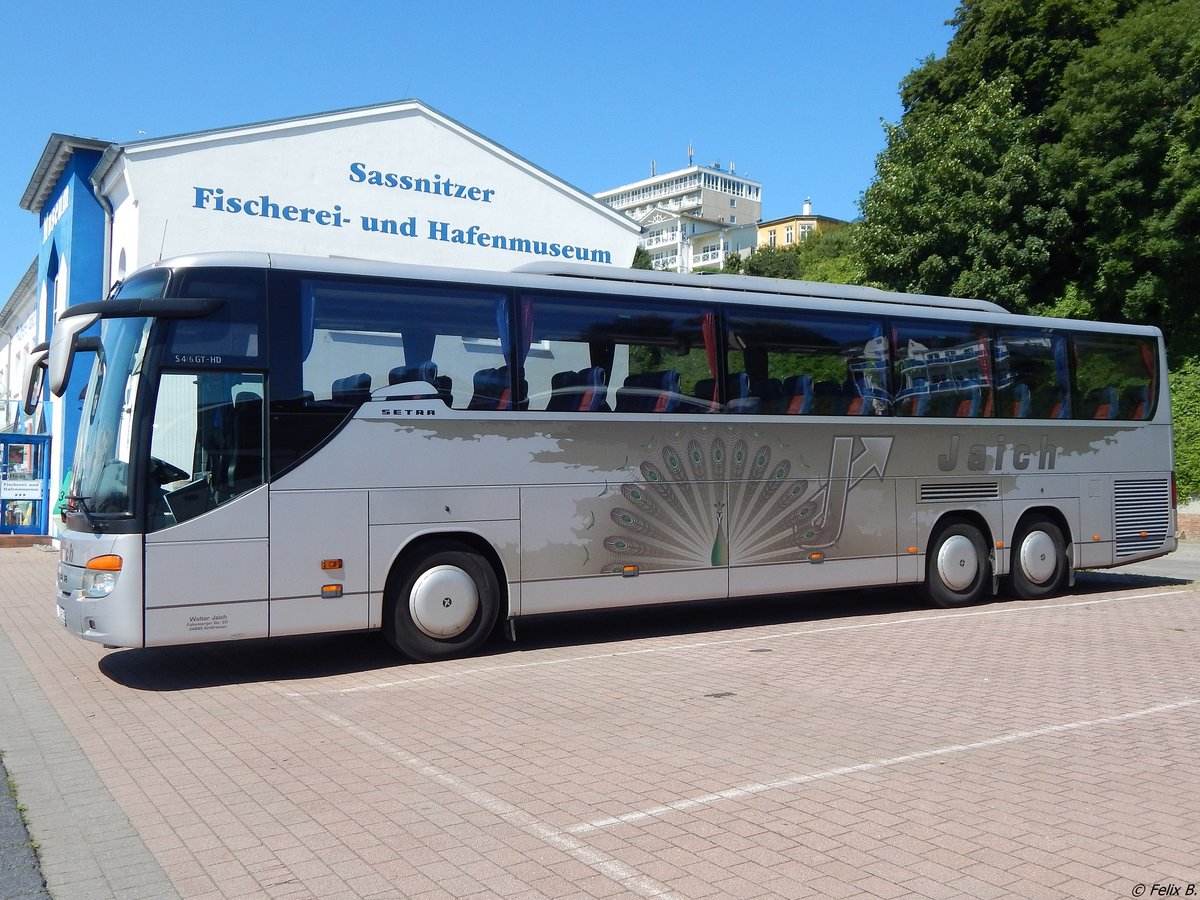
(957, 565)
(1039, 559)
(442, 603)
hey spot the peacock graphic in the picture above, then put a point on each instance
(712, 496)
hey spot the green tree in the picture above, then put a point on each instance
(1129, 165)
(642, 259)
(1185, 411)
(1031, 41)
(774, 262)
(963, 202)
(829, 254)
(960, 204)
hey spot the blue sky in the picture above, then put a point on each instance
(793, 92)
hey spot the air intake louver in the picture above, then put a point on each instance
(960, 492)
(1142, 515)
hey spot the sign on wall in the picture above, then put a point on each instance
(395, 183)
(22, 489)
(455, 228)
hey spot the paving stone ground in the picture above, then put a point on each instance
(854, 744)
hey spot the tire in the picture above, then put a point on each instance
(957, 566)
(442, 603)
(1039, 559)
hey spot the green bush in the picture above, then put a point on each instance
(1185, 410)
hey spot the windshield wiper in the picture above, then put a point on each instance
(81, 503)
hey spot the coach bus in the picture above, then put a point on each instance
(275, 445)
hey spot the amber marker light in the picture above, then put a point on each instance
(913, 550)
(331, 591)
(629, 571)
(1096, 537)
(816, 557)
(999, 545)
(108, 563)
(330, 564)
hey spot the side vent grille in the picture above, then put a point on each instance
(1142, 515)
(960, 492)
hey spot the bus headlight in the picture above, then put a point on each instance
(100, 576)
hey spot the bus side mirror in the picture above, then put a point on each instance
(35, 377)
(63, 345)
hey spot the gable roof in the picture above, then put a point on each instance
(348, 116)
(59, 150)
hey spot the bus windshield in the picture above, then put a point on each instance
(202, 408)
(101, 482)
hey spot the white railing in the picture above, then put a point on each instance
(659, 241)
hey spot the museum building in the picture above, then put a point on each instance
(399, 182)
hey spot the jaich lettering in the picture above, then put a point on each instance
(999, 456)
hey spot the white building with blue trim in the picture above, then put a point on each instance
(398, 181)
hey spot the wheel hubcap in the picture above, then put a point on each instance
(1039, 559)
(957, 563)
(444, 601)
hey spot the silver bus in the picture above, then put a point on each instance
(275, 445)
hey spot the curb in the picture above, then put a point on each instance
(20, 870)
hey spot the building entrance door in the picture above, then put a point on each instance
(24, 484)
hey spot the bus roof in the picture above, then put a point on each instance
(758, 285)
(747, 284)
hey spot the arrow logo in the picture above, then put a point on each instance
(846, 472)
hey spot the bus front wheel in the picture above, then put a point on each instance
(1039, 559)
(442, 604)
(957, 565)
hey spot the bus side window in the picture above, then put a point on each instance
(799, 362)
(943, 369)
(1115, 376)
(358, 338)
(1031, 373)
(588, 355)
(206, 443)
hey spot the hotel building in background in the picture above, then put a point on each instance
(692, 218)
